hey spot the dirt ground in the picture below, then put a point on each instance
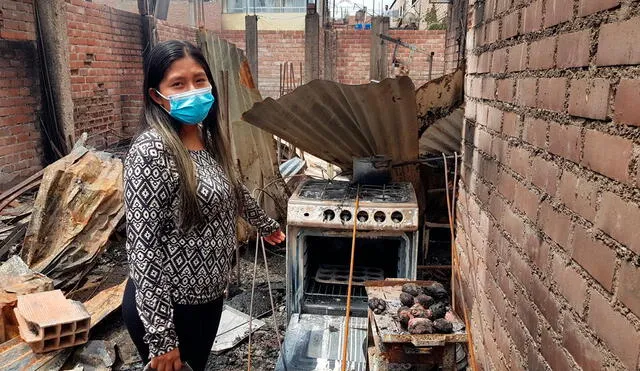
(265, 347)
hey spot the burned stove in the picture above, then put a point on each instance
(319, 228)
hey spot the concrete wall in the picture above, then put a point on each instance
(549, 203)
(266, 21)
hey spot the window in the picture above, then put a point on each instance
(265, 6)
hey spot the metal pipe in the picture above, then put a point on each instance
(353, 251)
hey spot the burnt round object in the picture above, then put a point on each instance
(378, 306)
(443, 326)
(403, 308)
(404, 316)
(438, 310)
(419, 311)
(437, 291)
(420, 326)
(406, 299)
(412, 289)
(425, 300)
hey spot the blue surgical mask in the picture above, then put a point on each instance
(190, 107)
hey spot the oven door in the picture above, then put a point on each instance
(314, 342)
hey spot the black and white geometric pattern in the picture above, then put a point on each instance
(169, 265)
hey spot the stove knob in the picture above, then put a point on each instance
(345, 215)
(329, 215)
(363, 216)
(379, 216)
(396, 216)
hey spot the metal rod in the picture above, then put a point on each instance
(453, 258)
(273, 306)
(353, 251)
(430, 64)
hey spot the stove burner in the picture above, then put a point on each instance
(324, 190)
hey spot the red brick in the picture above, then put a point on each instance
(507, 185)
(499, 61)
(527, 201)
(532, 17)
(535, 131)
(491, 32)
(517, 58)
(570, 283)
(555, 225)
(541, 54)
(581, 346)
(615, 330)
(519, 160)
(587, 7)
(589, 98)
(534, 359)
(629, 290)
(475, 88)
(594, 256)
(565, 141)
(546, 303)
(505, 90)
(578, 194)
(627, 109)
(510, 25)
(556, 12)
(551, 94)
(544, 174)
(488, 88)
(618, 43)
(510, 122)
(484, 62)
(554, 353)
(514, 225)
(574, 49)
(517, 333)
(619, 219)
(527, 314)
(494, 119)
(607, 154)
(536, 248)
(526, 92)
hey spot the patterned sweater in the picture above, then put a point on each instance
(169, 265)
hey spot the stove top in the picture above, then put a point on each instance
(331, 204)
(344, 191)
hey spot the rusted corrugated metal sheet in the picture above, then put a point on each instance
(254, 150)
(78, 205)
(444, 136)
(337, 122)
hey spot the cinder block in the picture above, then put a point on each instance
(48, 321)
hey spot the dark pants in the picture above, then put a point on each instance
(196, 326)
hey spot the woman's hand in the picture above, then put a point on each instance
(169, 361)
(275, 237)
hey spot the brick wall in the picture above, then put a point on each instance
(353, 54)
(178, 11)
(105, 56)
(20, 141)
(456, 35)
(549, 204)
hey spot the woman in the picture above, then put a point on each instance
(182, 198)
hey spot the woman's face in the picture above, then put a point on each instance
(183, 75)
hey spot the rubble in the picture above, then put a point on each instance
(16, 279)
(95, 355)
(79, 203)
